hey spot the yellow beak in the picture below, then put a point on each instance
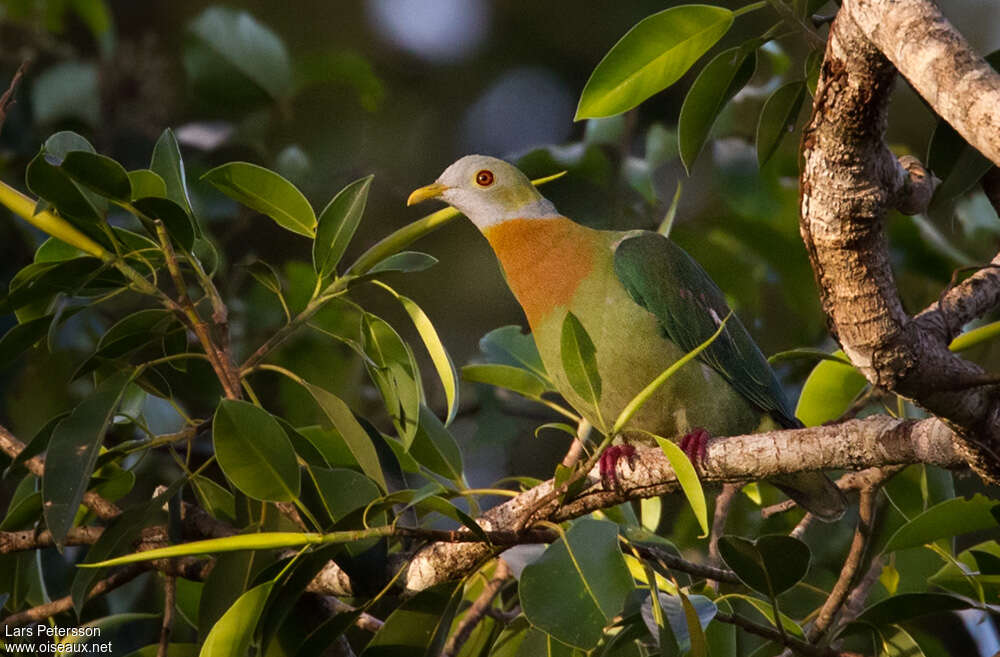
(433, 190)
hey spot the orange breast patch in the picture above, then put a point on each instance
(544, 260)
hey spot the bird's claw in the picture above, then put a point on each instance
(695, 445)
(609, 462)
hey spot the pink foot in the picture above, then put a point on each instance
(609, 461)
(695, 445)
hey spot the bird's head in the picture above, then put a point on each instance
(486, 190)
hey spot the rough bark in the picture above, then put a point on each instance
(850, 179)
(872, 442)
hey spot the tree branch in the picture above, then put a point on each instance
(871, 442)
(850, 179)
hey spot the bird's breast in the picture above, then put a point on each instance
(544, 260)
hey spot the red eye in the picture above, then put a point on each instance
(484, 178)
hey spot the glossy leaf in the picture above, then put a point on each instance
(578, 585)
(435, 448)
(167, 163)
(36, 445)
(673, 609)
(944, 520)
(828, 392)
(507, 345)
(127, 335)
(254, 452)
(248, 46)
(579, 360)
(777, 118)
(904, 607)
(116, 538)
(343, 491)
(771, 565)
(265, 274)
(337, 225)
(523, 382)
(435, 348)
(237, 543)
(354, 435)
(416, 626)
(266, 192)
(98, 173)
(393, 369)
(718, 82)
(146, 183)
(176, 221)
(22, 337)
(404, 261)
(687, 476)
(650, 57)
(231, 635)
(48, 181)
(73, 452)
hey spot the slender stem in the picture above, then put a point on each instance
(169, 598)
(477, 611)
(749, 8)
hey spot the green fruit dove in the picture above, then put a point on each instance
(645, 303)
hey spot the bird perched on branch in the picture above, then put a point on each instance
(644, 303)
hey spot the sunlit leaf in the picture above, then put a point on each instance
(146, 183)
(523, 382)
(949, 518)
(231, 635)
(337, 225)
(266, 192)
(254, 452)
(828, 392)
(354, 435)
(718, 82)
(167, 163)
(687, 476)
(650, 57)
(579, 360)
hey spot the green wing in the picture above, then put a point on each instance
(662, 278)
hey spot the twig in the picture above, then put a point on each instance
(477, 610)
(722, 503)
(673, 562)
(855, 556)
(6, 99)
(224, 370)
(797, 645)
(44, 611)
(30, 539)
(575, 450)
(169, 598)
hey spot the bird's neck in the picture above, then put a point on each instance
(544, 260)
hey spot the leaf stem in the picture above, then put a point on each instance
(749, 8)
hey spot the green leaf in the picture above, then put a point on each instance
(701, 609)
(393, 369)
(435, 348)
(766, 609)
(337, 225)
(523, 382)
(777, 118)
(343, 491)
(417, 626)
(718, 82)
(118, 537)
(254, 452)
(687, 476)
(248, 46)
(435, 448)
(176, 221)
(266, 192)
(404, 261)
(579, 360)
(944, 520)
(904, 607)
(265, 274)
(354, 435)
(127, 335)
(696, 631)
(771, 565)
(215, 499)
(99, 173)
(22, 337)
(167, 163)
(73, 452)
(578, 585)
(650, 57)
(237, 543)
(146, 183)
(48, 181)
(37, 444)
(829, 391)
(231, 635)
(507, 345)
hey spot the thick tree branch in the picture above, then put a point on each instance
(857, 444)
(850, 180)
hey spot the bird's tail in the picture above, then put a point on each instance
(814, 492)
